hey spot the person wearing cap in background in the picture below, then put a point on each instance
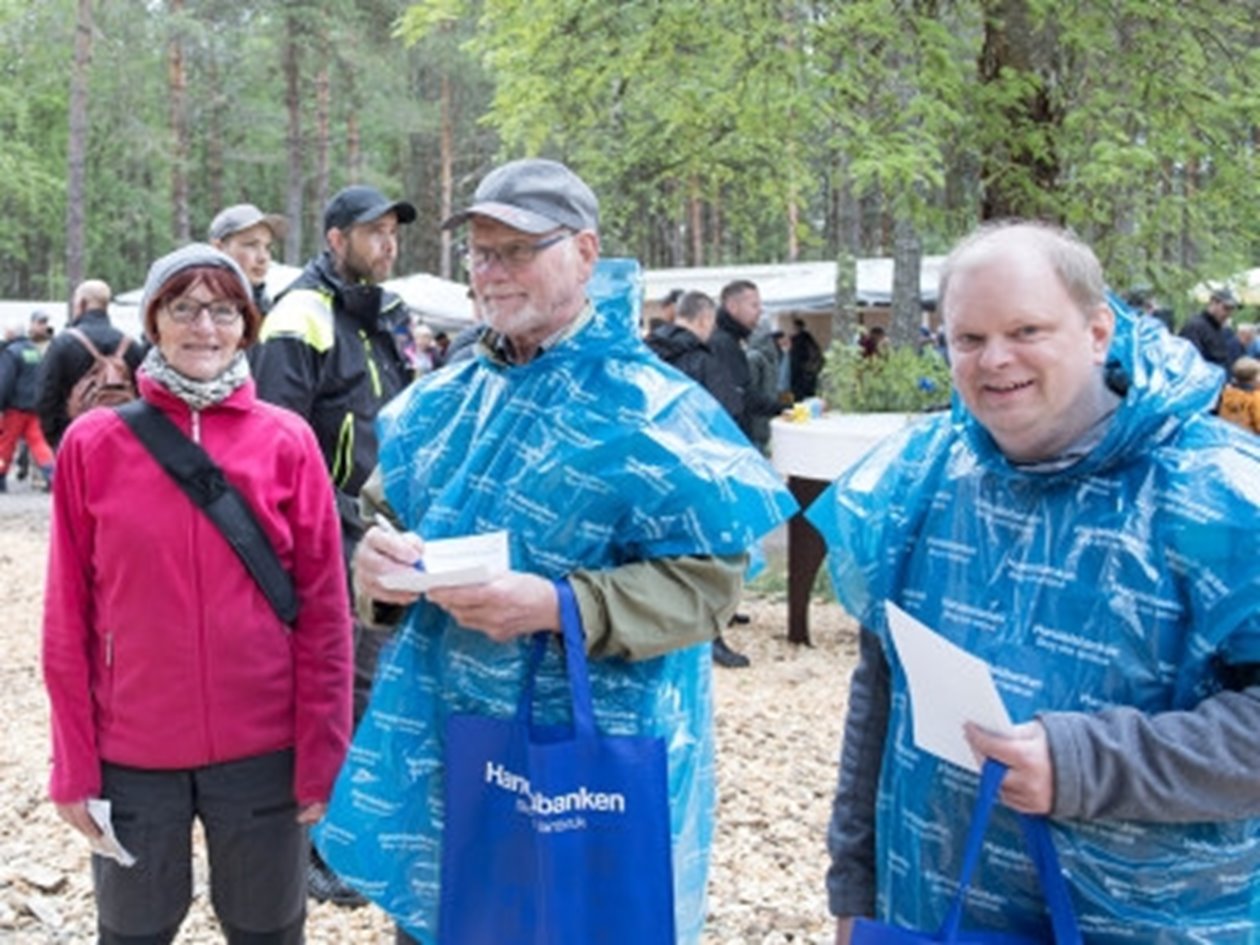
(19, 397)
(246, 233)
(176, 691)
(67, 360)
(332, 351)
(548, 434)
(1209, 330)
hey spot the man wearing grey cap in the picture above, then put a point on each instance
(246, 233)
(1209, 330)
(329, 351)
(610, 472)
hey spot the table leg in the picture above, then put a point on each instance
(805, 552)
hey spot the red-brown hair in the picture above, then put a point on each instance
(223, 282)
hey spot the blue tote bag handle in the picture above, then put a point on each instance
(1040, 849)
(575, 665)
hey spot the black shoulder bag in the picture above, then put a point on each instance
(203, 481)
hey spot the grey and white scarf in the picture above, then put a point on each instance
(197, 394)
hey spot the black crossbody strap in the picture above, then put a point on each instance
(203, 481)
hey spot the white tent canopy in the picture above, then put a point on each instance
(796, 287)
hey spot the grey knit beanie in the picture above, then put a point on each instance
(192, 256)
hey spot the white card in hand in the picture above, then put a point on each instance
(452, 562)
(948, 687)
(107, 844)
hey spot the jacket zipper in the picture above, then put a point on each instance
(371, 364)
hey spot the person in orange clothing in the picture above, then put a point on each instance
(1240, 400)
(19, 395)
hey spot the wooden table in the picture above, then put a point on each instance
(811, 455)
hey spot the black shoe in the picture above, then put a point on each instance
(739, 619)
(723, 655)
(323, 885)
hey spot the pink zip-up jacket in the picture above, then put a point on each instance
(160, 651)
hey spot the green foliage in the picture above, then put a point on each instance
(899, 380)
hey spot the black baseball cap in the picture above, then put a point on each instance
(362, 204)
(533, 195)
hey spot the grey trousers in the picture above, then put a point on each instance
(257, 852)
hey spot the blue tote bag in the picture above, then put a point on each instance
(1040, 847)
(555, 835)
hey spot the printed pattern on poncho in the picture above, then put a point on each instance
(593, 455)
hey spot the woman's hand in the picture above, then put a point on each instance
(77, 816)
(309, 814)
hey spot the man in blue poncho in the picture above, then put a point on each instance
(1082, 524)
(606, 467)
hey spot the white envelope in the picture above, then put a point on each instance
(453, 562)
(948, 687)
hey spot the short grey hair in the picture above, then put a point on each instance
(692, 305)
(1071, 260)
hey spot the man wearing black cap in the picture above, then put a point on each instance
(329, 351)
(246, 233)
(1209, 331)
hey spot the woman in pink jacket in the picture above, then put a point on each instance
(176, 690)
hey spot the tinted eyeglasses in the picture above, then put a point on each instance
(512, 256)
(187, 311)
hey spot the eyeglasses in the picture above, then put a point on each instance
(187, 311)
(512, 256)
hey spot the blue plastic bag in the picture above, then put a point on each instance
(1040, 848)
(555, 835)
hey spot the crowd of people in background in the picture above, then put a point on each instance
(336, 348)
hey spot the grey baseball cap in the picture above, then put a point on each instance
(362, 204)
(532, 195)
(241, 216)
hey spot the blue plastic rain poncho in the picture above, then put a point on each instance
(1117, 581)
(593, 455)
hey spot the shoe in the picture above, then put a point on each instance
(723, 655)
(323, 885)
(739, 619)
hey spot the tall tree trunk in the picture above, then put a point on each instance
(695, 214)
(907, 307)
(323, 135)
(844, 319)
(177, 81)
(76, 149)
(1021, 171)
(214, 141)
(446, 157)
(293, 139)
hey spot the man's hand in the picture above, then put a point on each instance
(512, 605)
(77, 816)
(1028, 786)
(379, 552)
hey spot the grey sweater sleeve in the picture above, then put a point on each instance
(851, 833)
(1171, 767)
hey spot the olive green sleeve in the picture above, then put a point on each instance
(635, 611)
(647, 608)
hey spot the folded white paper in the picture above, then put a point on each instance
(452, 562)
(107, 844)
(948, 687)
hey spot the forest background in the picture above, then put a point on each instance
(715, 132)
